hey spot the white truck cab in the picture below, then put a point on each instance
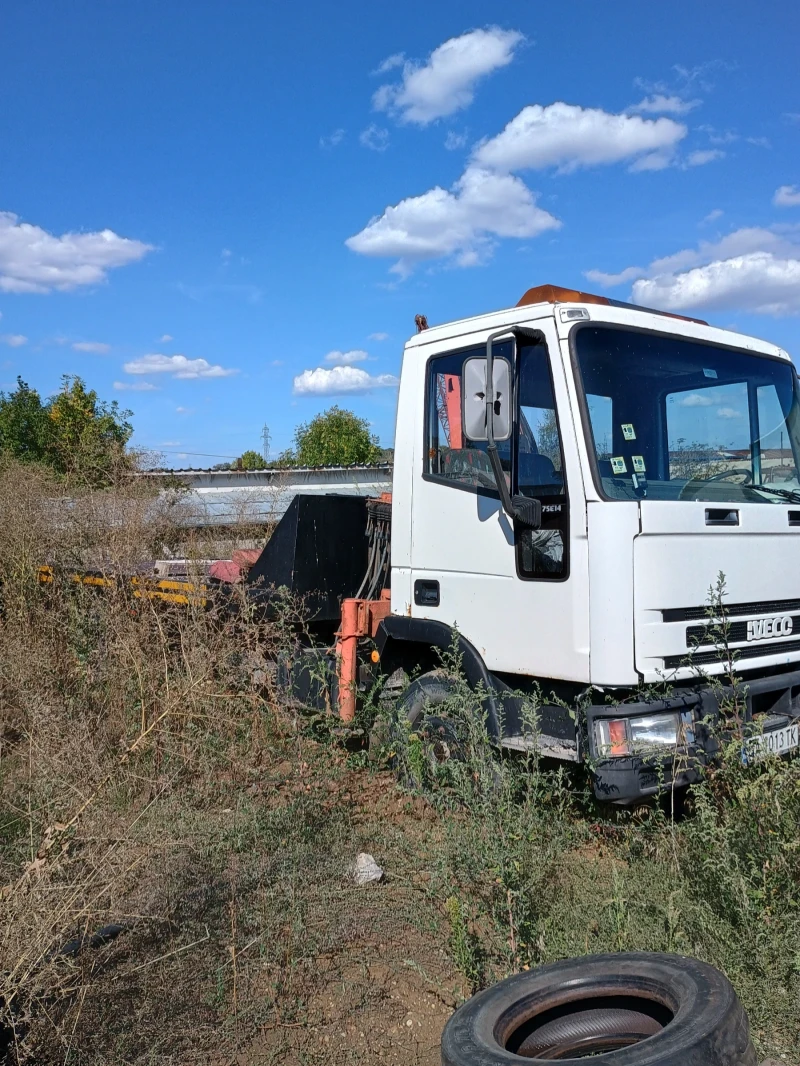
(637, 455)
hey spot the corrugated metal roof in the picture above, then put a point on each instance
(260, 497)
(270, 471)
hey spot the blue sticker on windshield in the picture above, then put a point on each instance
(709, 373)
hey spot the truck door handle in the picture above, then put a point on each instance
(426, 593)
(721, 516)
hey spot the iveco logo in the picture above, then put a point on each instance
(762, 628)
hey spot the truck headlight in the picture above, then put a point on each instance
(654, 731)
(616, 737)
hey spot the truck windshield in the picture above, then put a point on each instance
(674, 419)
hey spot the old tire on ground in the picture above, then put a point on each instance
(635, 1009)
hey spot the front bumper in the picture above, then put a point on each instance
(771, 702)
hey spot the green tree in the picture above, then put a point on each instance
(74, 432)
(24, 425)
(249, 460)
(335, 438)
(89, 434)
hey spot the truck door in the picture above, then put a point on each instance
(508, 589)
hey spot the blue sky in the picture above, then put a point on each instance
(228, 214)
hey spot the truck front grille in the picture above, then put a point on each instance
(737, 631)
(732, 610)
(750, 651)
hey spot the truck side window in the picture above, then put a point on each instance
(448, 453)
(541, 553)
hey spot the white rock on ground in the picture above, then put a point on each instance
(365, 869)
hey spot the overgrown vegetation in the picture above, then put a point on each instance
(150, 777)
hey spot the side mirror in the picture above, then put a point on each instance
(474, 398)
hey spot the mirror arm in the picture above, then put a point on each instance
(528, 511)
(491, 446)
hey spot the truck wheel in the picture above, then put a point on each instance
(635, 1009)
(437, 734)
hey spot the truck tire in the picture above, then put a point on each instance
(416, 713)
(428, 691)
(635, 1009)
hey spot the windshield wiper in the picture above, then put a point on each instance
(788, 494)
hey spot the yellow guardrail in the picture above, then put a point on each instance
(185, 592)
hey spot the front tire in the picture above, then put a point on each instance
(427, 734)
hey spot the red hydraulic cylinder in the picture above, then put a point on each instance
(347, 648)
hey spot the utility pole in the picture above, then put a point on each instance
(265, 439)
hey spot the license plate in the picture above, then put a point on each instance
(776, 742)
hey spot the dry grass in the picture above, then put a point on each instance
(151, 780)
(150, 777)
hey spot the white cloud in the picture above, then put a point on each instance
(33, 260)
(609, 280)
(712, 216)
(165, 339)
(332, 139)
(339, 381)
(134, 386)
(95, 347)
(787, 196)
(568, 137)
(378, 337)
(13, 340)
(697, 399)
(703, 156)
(346, 358)
(460, 223)
(728, 412)
(716, 136)
(446, 82)
(453, 141)
(374, 137)
(698, 74)
(653, 161)
(661, 104)
(390, 63)
(178, 366)
(750, 269)
(738, 242)
(183, 410)
(759, 281)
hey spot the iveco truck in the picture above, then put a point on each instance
(571, 477)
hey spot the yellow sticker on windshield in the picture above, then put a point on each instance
(628, 432)
(638, 463)
(618, 464)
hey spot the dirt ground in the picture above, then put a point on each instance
(247, 940)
